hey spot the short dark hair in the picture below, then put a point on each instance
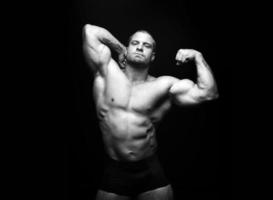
(143, 31)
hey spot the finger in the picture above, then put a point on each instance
(179, 60)
(178, 55)
(187, 60)
(183, 55)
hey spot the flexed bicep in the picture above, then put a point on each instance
(97, 54)
(186, 92)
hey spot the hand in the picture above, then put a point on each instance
(122, 58)
(184, 55)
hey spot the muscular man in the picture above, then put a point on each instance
(130, 103)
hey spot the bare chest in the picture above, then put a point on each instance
(143, 98)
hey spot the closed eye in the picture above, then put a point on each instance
(134, 42)
(148, 45)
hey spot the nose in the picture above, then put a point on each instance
(140, 47)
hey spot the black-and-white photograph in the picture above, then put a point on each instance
(147, 101)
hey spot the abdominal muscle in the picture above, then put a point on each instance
(127, 135)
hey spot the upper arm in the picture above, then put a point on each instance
(97, 54)
(186, 92)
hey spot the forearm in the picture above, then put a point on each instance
(105, 37)
(205, 78)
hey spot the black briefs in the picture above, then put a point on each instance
(132, 178)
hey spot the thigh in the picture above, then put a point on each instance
(103, 195)
(162, 193)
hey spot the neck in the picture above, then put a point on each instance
(136, 74)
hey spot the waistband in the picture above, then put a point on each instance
(139, 164)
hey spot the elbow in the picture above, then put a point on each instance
(90, 34)
(86, 28)
(216, 95)
(90, 30)
(215, 92)
(85, 31)
(212, 95)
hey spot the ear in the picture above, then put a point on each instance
(153, 57)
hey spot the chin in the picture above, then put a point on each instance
(139, 63)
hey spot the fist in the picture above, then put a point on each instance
(184, 55)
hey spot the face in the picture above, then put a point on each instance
(140, 49)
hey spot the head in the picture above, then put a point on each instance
(141, 48)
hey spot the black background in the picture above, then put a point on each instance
(195, 143)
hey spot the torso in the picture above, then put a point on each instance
(128, 113)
